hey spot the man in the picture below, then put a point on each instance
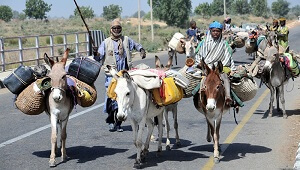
(213, 49)
(227, 24)
(275, 25)
(115, 51)
(282, 33)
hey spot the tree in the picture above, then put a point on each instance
(135, 15)
(6, 13)
(111, 12)
(280, 7)
(37, 9)
(296, 10)
(241, 7)
(259, 7)
(173, 12)
(203, 10)
(217, 7)
(87, 12)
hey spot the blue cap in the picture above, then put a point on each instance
(215, 24)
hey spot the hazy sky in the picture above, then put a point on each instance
(65, 8)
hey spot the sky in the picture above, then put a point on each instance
(65, 8)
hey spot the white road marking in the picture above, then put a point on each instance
(46, 127)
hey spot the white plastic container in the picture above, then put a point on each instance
(175, 39)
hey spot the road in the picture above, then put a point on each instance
(256, 142)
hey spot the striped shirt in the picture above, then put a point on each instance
(213, 51)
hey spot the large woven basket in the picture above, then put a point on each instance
(194, 81)
(31, 102)
(246, 89)
(83, 89)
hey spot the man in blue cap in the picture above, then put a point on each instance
(213, 49)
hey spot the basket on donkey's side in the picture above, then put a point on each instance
(194, 80)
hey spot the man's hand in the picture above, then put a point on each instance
(95, 51)
(143, 53)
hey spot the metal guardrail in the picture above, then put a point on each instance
(85, 51)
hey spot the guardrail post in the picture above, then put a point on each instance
(37, 45)
(21, 50)
(2, 53)
(65, 42)
(77, 44)
(51, 46)
(87, 44)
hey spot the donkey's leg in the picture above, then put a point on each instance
(272, 90)
(53, 119)
(160, 132)
(217, 125)
(209, 131)
(277, 90)
(150, 127)
(166, 115)
(63, 140)
(174, 110)
(281, 93)
(138, 142)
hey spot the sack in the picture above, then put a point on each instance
(249, 48)
(175, 40)
(168, 93)
(31, 100)
(293, 64)
(180, 48)
(111, 89)
(245, 89)
(85, 69)
(239, 42)
(19, 79)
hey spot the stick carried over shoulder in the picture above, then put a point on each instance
(85, 24)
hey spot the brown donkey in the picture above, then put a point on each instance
(211, 102)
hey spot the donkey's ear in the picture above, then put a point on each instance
(157, 62)
(110, 70)
(48, 60)
(220, 66)
(65, 57)
(205, 66)
(126, 75)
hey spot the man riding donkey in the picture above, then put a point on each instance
(115, 51)
(213, 49)
(283, 33)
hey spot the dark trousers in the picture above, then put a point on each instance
(112, 113)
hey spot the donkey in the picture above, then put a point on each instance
(190, 50)
(59, 105)
(169, 108)
(275, 76)
(211, 102)
(136, 102)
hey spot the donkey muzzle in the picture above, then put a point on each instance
(211, 105)
(121, 116)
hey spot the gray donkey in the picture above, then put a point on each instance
(275, 76)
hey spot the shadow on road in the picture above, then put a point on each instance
(234, 151)
(82, 153)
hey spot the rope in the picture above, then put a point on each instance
(22, 81)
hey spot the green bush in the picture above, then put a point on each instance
(48, 40)
(59, 40)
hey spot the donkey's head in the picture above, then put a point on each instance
(271, 57)
(58, 76)
(189, 47)
(125, 93)
(212, 90)
(272, 38)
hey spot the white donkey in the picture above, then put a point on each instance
(135, 102)
(169, 108)
(59, 105)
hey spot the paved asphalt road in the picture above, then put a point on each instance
(255, 143)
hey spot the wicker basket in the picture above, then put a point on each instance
(86, 94)
(194, 81)
(246, 89)
(30, 102)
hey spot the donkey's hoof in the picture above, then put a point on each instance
(178, 144)
(216, 160)
(158, 153)
(285, 116)
(52, 164)
(64, 158)
(137, 165)
(168, 148)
